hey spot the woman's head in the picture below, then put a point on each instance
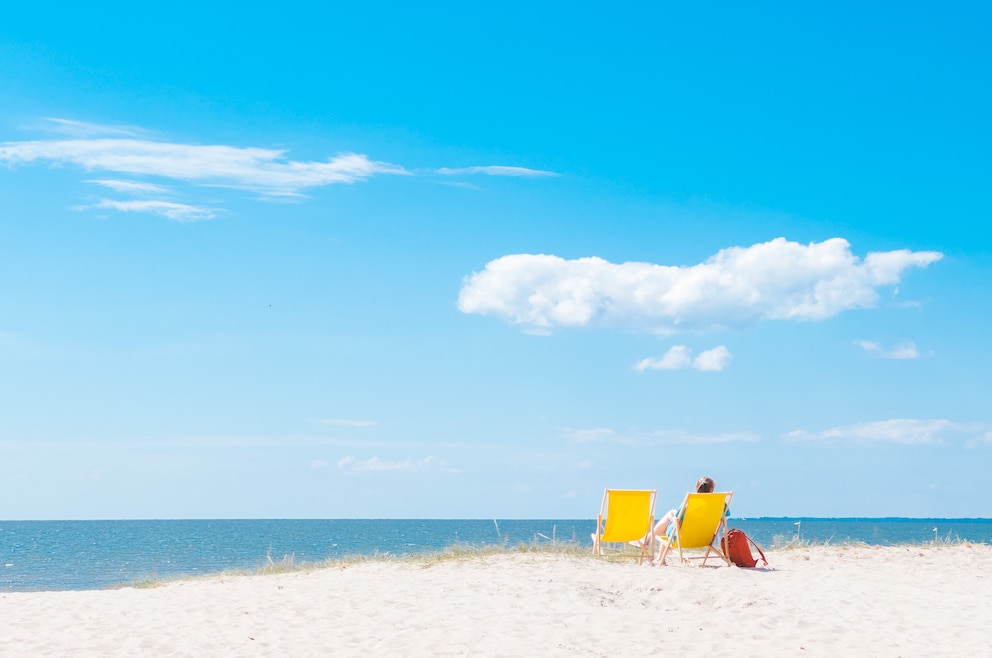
(705, 485)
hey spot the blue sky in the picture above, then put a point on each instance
(485, 261)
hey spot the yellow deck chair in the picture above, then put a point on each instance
(701, 521)
(629, 516)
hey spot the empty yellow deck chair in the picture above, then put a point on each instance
(700, 522)
(629, 516)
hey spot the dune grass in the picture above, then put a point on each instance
(783, 543)
(540, 546)
(288, 563)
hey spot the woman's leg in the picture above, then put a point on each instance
(661, 527)
(660, 530)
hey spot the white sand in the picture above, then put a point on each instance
(833, 601)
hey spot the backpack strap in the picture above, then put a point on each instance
(760, 552)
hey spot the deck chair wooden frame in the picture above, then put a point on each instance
(627, 515)
(701, 523)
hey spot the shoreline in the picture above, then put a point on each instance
(458, 551)
(815, 600)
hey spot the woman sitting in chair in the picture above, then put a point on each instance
(703, 485)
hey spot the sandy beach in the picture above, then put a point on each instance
(817, 601)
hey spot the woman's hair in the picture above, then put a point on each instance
(705, 485)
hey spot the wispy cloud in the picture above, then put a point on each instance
(129, 187)
(680, 356)
(496, 170)
(84, 129)
(462, 184)
(984, 439)
(906, 431)
(144, 443)
(125, 151)
(904, 350)
(266, 171)
(652, 438)
(179, 212)
(663, 437)
(591, 435)
(346, 422)
(776, 280)
(377, 465)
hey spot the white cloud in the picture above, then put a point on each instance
(591, 435)
(776, 280)
(663, 437)
(461, 184)
(906, 431)
(265, 171)
(179, 212)
(376, 465)
(642, 438)
(904, 350)
(496, 170)
(680, 356)
(347, 422)
(981, 440)
(84, 129)
(131, 151)
(713, 360)
(130, 187)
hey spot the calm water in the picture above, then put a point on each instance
(76, 555)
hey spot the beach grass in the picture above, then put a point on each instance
(464, 551)
(455, 552)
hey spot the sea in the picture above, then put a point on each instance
(86, 555)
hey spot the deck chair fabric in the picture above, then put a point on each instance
(700, 522)
(627, 515)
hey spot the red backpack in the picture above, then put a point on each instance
(737, 547)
